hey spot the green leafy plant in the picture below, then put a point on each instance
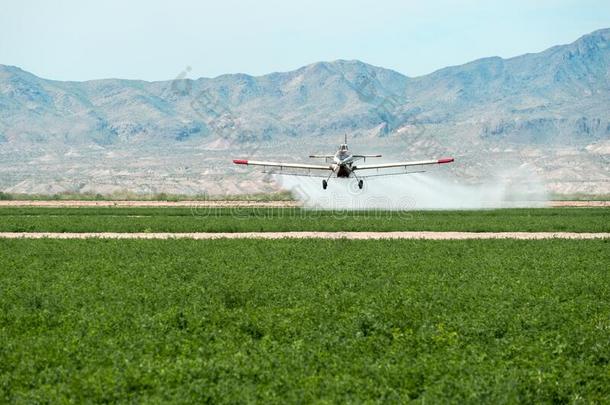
(285, 321)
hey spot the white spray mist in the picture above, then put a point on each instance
(519, 187)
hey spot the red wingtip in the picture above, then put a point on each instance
(240, 161)
(445, 160)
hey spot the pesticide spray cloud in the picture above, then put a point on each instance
(518, 187)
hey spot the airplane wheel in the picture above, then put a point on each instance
(360, 184)
(324, 184)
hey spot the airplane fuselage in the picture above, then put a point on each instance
(342, 162)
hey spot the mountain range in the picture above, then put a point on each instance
(548, 110)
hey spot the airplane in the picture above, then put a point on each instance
(342, 165)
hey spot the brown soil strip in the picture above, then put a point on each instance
(579, 203)
(222, 204)
(188, 204)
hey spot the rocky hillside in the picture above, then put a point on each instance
(554, 104)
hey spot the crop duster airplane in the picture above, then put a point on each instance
(342, 165)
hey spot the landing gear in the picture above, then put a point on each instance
(324, 184)
(360, 184)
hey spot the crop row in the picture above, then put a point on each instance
(294, 219)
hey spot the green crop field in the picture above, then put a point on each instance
(295, 219)
(232, 321)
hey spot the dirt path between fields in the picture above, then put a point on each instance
(229, 204)
(311, 235)
(187, 204)
(579, 203)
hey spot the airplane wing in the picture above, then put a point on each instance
(366, 156)
(281, 165)
(403, 164)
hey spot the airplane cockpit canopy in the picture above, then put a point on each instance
(342, 153)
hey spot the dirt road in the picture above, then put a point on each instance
(188, 204)
(225, 204)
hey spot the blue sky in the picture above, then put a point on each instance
(155, 40)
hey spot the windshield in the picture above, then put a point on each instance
(343, 152)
